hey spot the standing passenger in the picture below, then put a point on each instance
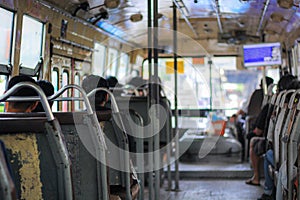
(253, 106)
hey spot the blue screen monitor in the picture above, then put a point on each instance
(264, 54)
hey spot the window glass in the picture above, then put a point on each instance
(112, 62)
(223, 87)
(55, 85)
(65, 81)
(3, 80)
(99, 59)
(31, 44)
(6, 27)
(123, 68)
(76, 92)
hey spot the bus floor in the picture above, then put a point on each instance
(211, 189)
(211, 179)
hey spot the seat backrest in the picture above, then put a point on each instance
(140, 105)
(118, 155)
(37, 155)
(87, 178)
(7, 186)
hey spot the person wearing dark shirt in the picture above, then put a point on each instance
(258, 143)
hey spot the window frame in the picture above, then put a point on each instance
(66, 93)
(35, 71)
(6, 69)
(55, 69)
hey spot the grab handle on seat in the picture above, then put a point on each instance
(77, 87)
(8, 96)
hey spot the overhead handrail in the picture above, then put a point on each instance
(42, 97)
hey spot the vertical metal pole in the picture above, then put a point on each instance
(150, 140)
(210, 83)
(265, 89)
(295, 61)
(175, 98)
(156, 100)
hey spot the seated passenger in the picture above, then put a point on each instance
(19, 107)
(98, 100)
(286, 82)
(23, 106)
(48, 89)
(254, 103)
(258, 144)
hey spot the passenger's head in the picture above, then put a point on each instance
(92, 82)
(48, 89)
(292, 84)
(269, 81)
(22, 106)
(285, 81)
(112, 81)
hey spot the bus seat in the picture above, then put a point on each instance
(7, 186)
(292, 150)
(117, 168)
(140, 105)
(37, 155)
(86, 170)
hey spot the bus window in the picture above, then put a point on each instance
(223, 87)
(3, 80)
(6, 27)
(54, 80)
(32, 42)
(123, 68)
(65, 81)
(99, 59)
(112, 62)
(76, 92)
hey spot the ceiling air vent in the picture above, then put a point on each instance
(234, 37)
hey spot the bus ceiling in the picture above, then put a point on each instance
(218, 26)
